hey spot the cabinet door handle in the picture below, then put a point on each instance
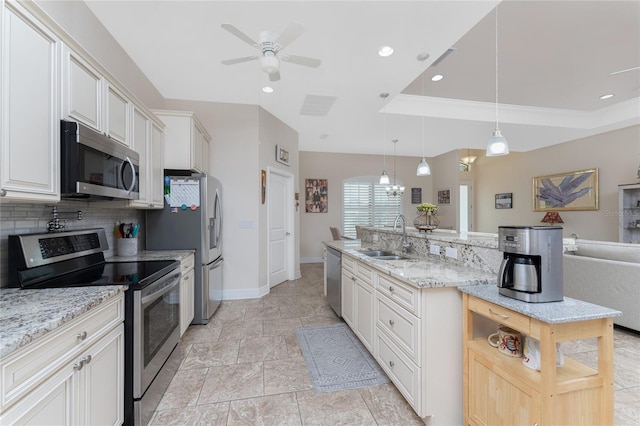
(391, 322)
(78, 366)
(391, 364)
(353, 279)
(82, 335)
(391, 289)
(500, 315)
(86, 359)
(3, 192)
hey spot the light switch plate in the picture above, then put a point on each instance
(434, 249)
(375, 237)
(451, 252)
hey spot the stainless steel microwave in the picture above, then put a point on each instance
(94, 166)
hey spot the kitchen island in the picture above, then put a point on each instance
(500, 390)
(408, 314)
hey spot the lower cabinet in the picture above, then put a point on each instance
(415, 334)
(84, 386)
(187, 293)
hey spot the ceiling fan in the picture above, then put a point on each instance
(271, 44)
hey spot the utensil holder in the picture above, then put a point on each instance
(127, 246)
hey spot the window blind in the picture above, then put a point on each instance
(365, 202)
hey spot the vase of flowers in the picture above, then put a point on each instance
(427, 219)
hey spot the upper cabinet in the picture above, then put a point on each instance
(186, 145)
(30, 142)
(91, 99)
(47, 76)
(148, 140)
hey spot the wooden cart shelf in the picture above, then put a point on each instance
(500, 390)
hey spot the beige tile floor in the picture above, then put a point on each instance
(245, 368)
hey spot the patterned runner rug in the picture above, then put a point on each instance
(336, 359)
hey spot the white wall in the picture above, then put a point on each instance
(314, 227)
(616, 154)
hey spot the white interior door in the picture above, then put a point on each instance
(280, 196)
(466, 217)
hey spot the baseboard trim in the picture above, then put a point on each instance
(246, 293)
(311, 260)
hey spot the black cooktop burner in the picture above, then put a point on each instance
(134, 274)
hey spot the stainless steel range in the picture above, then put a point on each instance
(152, 304)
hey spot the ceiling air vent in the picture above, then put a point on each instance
(316, 105)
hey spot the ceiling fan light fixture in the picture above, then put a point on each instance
(497, 145)
(269, 63)
(385, 51)
(423, 168)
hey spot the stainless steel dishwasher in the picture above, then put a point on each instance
(334, 280)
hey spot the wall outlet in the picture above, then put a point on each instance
(434, 249)
(375, 237)
(451, 252)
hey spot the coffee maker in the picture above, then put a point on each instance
(531, 268)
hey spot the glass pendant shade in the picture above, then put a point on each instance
(384, 178)
(497, 145)
(394, 190)
(423, 168)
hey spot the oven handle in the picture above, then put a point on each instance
(175, 280)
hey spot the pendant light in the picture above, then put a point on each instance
(384, 178)
(497, 144)
(394, 190)
(468, 159)
(423, 167)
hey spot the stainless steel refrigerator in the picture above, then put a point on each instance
(192, 219)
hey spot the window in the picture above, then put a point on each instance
(365, 202)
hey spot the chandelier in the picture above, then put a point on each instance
(394, 190)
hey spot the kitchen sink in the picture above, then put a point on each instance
(382, 255)
(376, 253)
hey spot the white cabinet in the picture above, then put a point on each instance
(186, 144)
(90, 98)
(74, 375)
(187, 292)
(117, 114)
(629, 213)
(30, 112)
(413, 333)
(147, 140)
(82, 88)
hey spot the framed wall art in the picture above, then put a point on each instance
(263, 187)
(316, 196)
(444, 196)
(566, 191)
(504, 200)
(416, 195)
(282, 155)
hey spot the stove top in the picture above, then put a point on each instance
(136, 275)
(75, 259)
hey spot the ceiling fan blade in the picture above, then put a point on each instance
(292, 32)
(242, 36)
(274, 76)
(239, 60)
(623, 71)
(301, 60)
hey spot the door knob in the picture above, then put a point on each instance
(288, 233)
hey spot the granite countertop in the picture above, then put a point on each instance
(26, 315)
(478, 239)
(146, 255)
(569, 310)
(418, 272)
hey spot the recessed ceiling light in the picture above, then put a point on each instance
(607, 96)
(437, 77)
(385, 51)
(267, 89)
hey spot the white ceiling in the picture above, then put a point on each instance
(555, 60)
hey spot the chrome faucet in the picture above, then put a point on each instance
(405, 244)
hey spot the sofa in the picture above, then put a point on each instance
(607, 274)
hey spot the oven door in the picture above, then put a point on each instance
(156, 328)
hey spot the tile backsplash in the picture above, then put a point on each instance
(22, 218)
